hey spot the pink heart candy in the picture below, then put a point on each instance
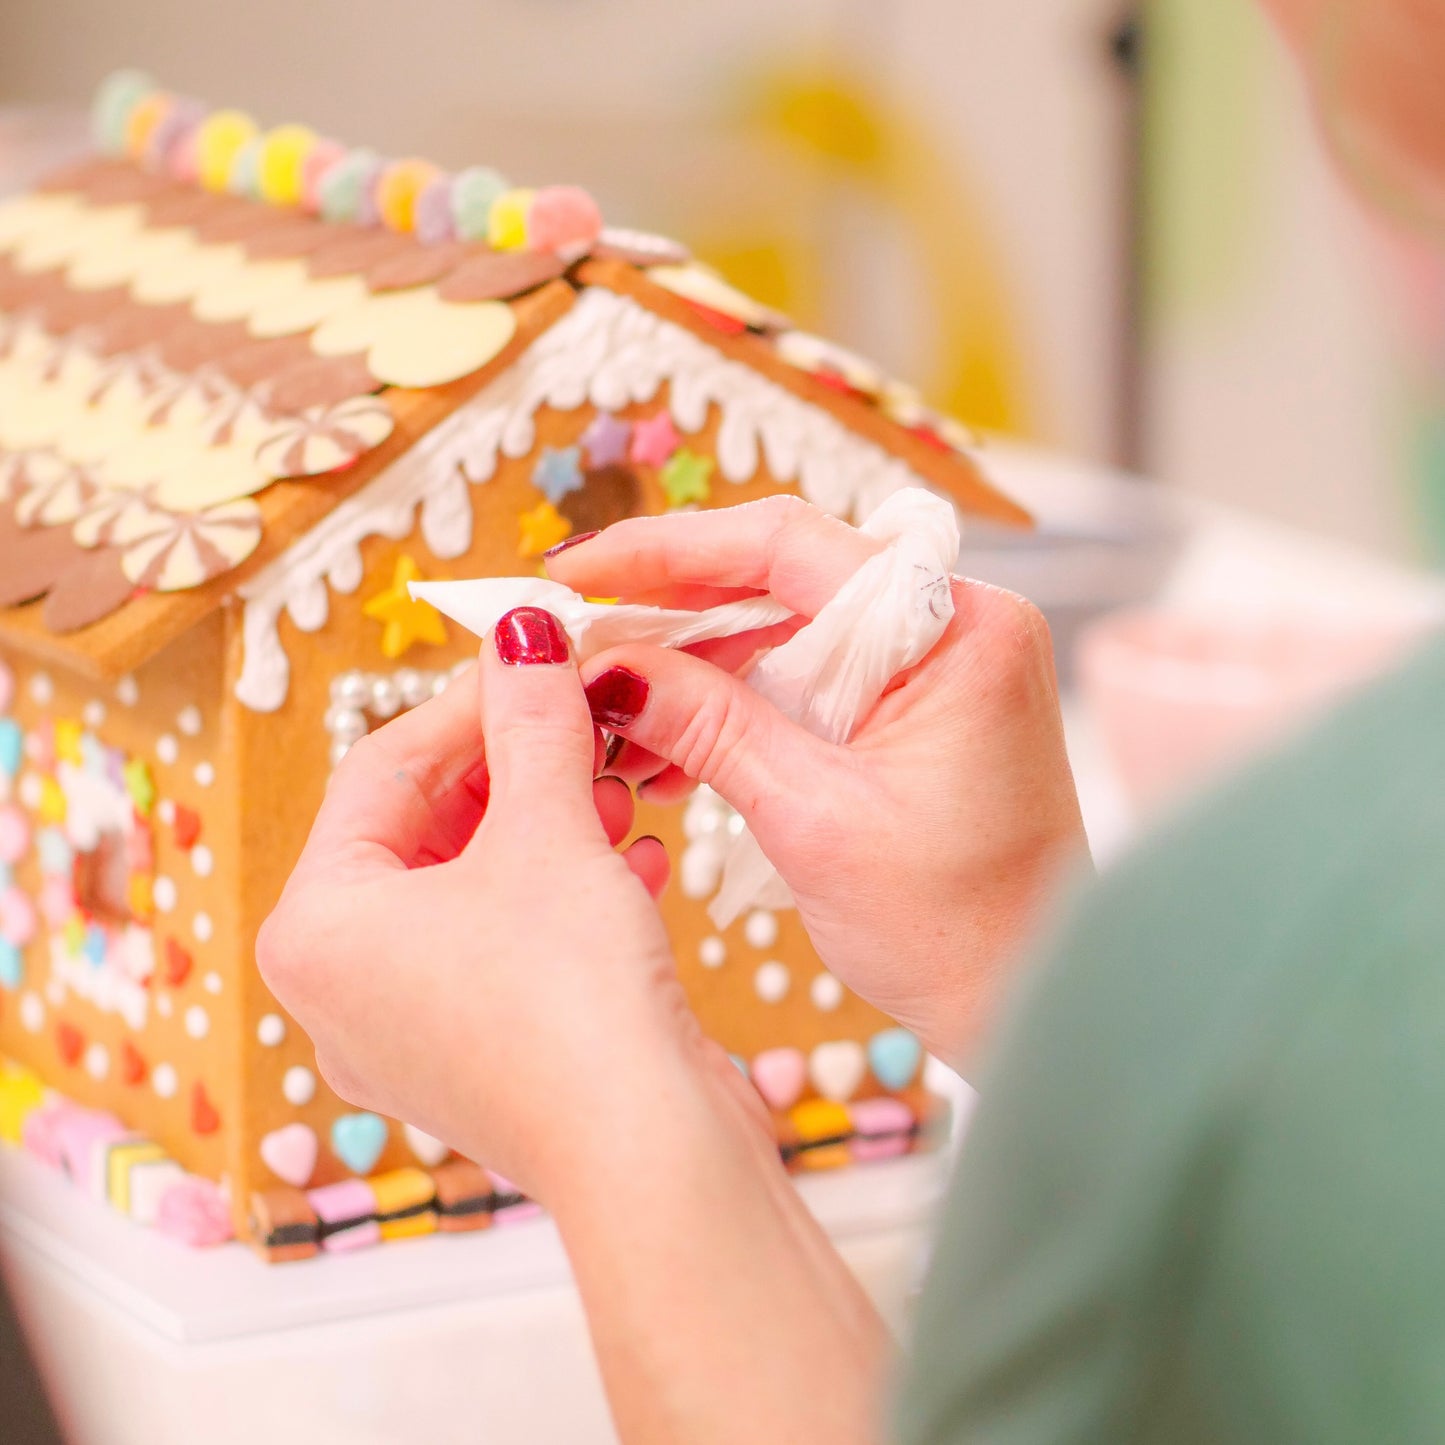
(290, 1154)
(779, 1075)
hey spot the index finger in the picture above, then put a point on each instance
(780, 545)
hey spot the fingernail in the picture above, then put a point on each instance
(615, 744)
(529, 635)
(570, 542)
(616, 697)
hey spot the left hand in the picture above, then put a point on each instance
(460, 938)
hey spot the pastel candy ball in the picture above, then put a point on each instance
(283, 156)
(507, 228)
(145, 117)
(17, 918)
(433, 219)
(319, 160)
(12, 747)
(563, 216)
(14, 835)
(397, 189)
(171, 131)
(342, 189)
(218, 139)
(474, 192)
(117, 97)
(245, 174)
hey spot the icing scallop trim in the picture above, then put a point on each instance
(607, 351)
(292, 166)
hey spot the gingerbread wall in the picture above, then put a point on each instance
(119, 983)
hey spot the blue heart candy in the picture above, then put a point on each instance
(12, 746)
(357, 1140)
(894, 1055)
(12, 967)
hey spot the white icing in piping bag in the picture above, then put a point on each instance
(828, 677)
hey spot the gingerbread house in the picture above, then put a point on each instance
(251, 385)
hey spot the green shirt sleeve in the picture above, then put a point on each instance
(1203, 1198)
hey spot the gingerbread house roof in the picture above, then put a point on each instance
(211, 337)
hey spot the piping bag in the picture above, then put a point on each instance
(887, 617)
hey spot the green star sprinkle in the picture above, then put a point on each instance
(687, 478)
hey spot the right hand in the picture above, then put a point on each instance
(919, 852)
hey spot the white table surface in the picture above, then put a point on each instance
(481, 1338)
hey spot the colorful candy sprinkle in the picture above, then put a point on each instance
(218, 140)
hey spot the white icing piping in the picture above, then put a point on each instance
(607, 350)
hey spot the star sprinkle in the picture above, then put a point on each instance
(541, 529)
(406, 621)
(654, 441)
(558, 473)
(606, 440)
(687, 478)
(140, 787)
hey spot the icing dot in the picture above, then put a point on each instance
(212, 983)
(271, 1030)
(164, 1006)
(164, 893)
(772, 982)
(205, 774)
(164, 1081)
(42, 690)
(166, 812)
(761, 929)
(298, 1086)
(94, 714)
(202, 861)
(189, 721)
(32, 1013)
(167, 749)
(198, 1021)
(827, 992)
(712, 952)
(203, 928)
(97, 1061)
(127, 692)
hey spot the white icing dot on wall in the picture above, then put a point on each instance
(203, 928)
(271, 1030)
(205, 774)
(827, 992)
(772, 982)
(97, 1061)
(712, 952)
(189, 721)
(203, 861)
(42, 690)
(164, 1007)
(167, 749)
(198, 1021)
(32, 1012)
(165, 894)
(211, 983)
(298, 1086)
(164, 1081)
(93, 714)
(761, 929)
(127, 692)
(166, 812)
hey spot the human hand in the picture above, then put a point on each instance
(460, 939)
(919, 853)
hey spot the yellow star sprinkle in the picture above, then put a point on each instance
(52, 802)
(67, 741)
(406, 620)
(542, 528)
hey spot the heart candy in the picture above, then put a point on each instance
(894, 1055)
(779, 1076)
(837, 1069)
(290, 1154)
(357, 1140)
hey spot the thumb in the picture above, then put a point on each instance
(706, 722)
(535, 726)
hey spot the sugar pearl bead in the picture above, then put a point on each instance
(385, 698)
(351, 689)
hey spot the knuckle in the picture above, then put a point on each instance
(709, 746)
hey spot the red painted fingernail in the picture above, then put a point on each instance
(529, 635)
(570, 542)
(616, 697)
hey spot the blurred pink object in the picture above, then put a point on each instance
(1178, 699)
